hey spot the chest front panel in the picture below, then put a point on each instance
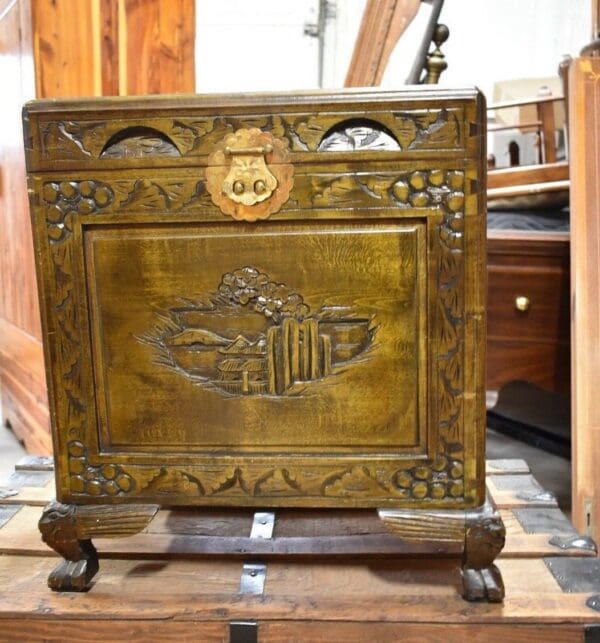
(263, 301)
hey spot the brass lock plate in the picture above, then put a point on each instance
(248, 176)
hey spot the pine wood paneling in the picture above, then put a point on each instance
(584, 134)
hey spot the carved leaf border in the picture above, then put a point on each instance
(423, 128)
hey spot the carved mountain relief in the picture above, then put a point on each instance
(257, 337)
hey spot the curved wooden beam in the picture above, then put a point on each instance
(383, 22)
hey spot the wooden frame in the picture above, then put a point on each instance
(584, 129)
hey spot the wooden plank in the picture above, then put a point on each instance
(528, 189)
(521, 544)
(383, 22)
(65, 49)
(527, 174)
(48, 629)
(109, 46)
(207, 590)
(518, 491)
(7, 512)
(35, 463)
(506, 467)
(584, 141)
(521, 102)
(357, 632)
(34, 496)
(159, 46)
(546, 116)
(28, 419)
(199, 535)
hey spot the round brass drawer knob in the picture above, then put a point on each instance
(522, 303)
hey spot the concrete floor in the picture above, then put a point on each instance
(11, 451)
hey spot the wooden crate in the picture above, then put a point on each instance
(186, 577)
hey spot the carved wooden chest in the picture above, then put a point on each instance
(264, 301)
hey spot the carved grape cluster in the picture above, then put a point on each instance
(106, 479)
(443, 478)
(422, 189)
(66, 199)
(249, 287)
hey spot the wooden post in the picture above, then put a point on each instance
(584, 134)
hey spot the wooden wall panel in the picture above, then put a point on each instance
(584, 144)
(66, 48)
(158, 52)
(22, 383)
(66, 41)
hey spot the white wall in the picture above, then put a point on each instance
(255, 45)
(258, 44)
(492, 40)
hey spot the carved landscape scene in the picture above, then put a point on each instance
(255, 336)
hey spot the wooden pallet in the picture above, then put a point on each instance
(198, 575)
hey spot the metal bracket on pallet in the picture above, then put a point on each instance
(254, 574)
(574, 542)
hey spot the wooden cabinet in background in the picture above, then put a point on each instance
(528, 309)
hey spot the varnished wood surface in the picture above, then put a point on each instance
(534, 344)
(584, 140)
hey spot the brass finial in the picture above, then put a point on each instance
(436, 61)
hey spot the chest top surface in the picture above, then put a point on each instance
(263, 300)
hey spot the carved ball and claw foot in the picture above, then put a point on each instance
(68, 529)
(478, 533)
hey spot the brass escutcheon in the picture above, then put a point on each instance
(248, 176)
